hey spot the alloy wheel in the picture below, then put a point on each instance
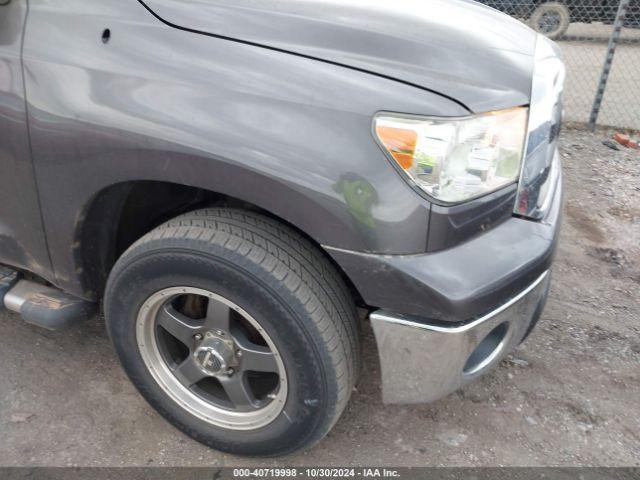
(212, 358)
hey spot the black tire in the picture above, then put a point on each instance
(283, 281)
(560, 15)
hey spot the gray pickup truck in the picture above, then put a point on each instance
(236, 183)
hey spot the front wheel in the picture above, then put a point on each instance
(551, 19)
(236, 329)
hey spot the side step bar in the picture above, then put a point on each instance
(42, 305)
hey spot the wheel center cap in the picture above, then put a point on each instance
(213, 356)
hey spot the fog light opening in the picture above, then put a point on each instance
(487, 350)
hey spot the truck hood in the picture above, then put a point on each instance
(471, 53)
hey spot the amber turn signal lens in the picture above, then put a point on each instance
(400, 143)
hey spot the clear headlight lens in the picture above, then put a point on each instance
(454, 160)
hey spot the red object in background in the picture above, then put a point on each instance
(622, 139)
(625, 140)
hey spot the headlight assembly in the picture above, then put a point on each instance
(454, 160)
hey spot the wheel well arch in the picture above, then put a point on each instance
(118, 215)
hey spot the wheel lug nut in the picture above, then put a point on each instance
(230, 371)
(219, 332)
(198, 336)
(239, 353)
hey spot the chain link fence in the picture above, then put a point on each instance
(601, 43)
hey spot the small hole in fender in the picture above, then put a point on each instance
(106, 35)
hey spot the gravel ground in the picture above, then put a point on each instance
(569, 397)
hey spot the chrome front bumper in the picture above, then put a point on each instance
(422, 362)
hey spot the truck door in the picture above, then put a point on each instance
(22, 242)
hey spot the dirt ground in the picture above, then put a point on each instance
(569, 396)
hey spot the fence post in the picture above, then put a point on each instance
(608, 62)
